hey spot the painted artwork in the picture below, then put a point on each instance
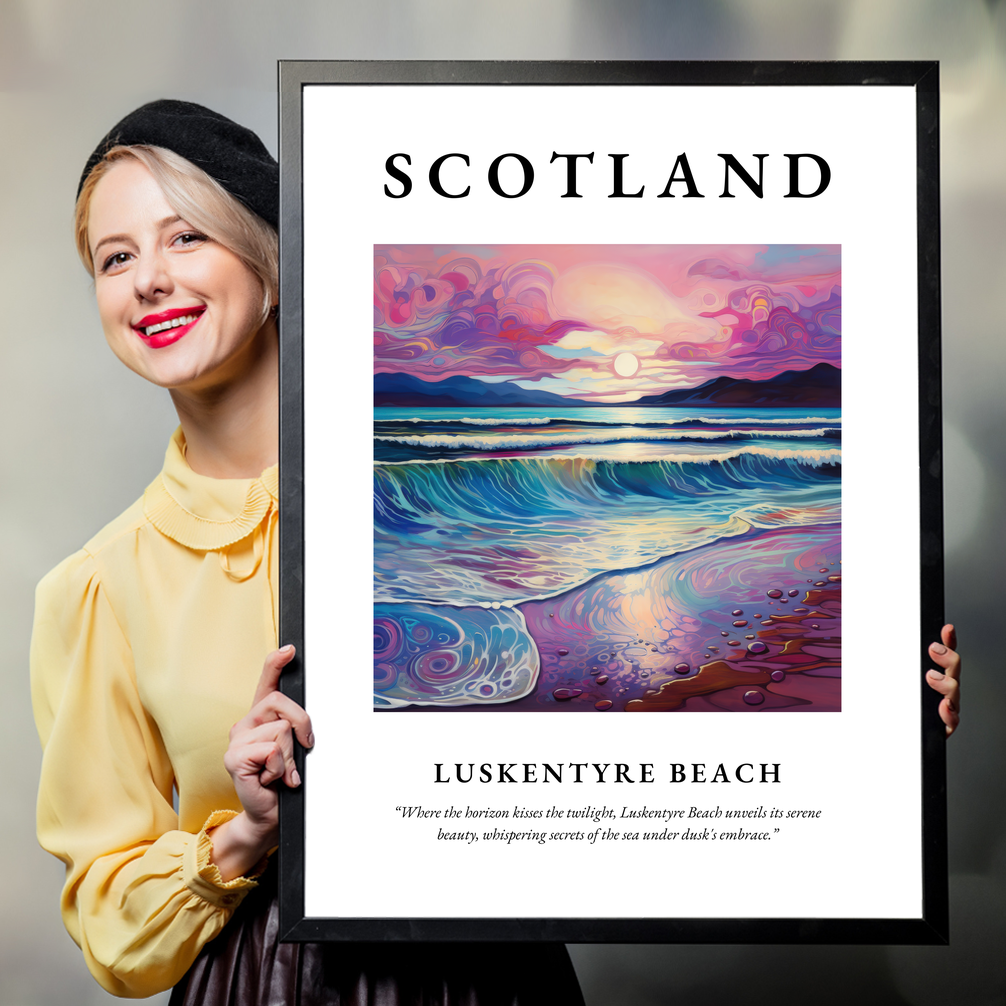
(607, 478)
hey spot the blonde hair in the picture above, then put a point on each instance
(199, 200)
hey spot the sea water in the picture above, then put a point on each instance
(641, 530)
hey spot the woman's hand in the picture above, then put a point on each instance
(260, 753)
(947, 682)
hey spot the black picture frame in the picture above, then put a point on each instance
(932, 925)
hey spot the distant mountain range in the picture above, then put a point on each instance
(821, 385)
(407, 391)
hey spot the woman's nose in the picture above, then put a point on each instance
(152, 277)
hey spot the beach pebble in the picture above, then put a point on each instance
(820, 583)
(749, 637)
(774, 593)
(565, 694)
(784, 600)
(740, 623)
(737, 611)
(734, 642)
(793, 593)
(823, 569)
(754, 697)
(757, 647)
(778, 675)
(603, 704)
(767, 621)
(603, 679)
(814, 625)
(681, 668)
(724, 633)
(837, 578)
(562, 651)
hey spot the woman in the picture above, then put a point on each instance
(148, 643)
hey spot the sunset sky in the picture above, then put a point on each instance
(608, 323)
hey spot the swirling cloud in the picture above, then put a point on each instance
(555, 317)
(467, 317)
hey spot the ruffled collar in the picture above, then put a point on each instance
(203, 513)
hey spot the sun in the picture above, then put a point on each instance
(626, 364)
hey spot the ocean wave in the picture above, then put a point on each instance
(500, 574)
(720, 421)
(516, 442)
(813, 458)
(504, 529)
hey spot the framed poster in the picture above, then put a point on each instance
(606, 389)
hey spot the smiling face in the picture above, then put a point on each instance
(177, 307)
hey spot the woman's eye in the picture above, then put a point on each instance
(114, 261)
(190, 238)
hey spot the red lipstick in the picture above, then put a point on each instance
(166, 327)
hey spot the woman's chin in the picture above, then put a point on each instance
(197, 365)
(175, 373)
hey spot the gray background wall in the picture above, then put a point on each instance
(82, 436)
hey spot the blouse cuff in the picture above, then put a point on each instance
(202, 876)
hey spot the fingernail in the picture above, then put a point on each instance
(286, 649)
(295, 777)
(937, 675)
(310, 740)
(938, 648)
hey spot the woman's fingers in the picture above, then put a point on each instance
(946, 681)
(947, 657)
(947, 686)
(270, 703)
(260, 761)
(274, 766)
(277, 706)
(274, 735)
(949, 636)
(271, 671)
(949, 712)
(261, 749)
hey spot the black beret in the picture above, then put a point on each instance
(231, 154)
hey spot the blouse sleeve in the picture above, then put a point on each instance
(141, 898)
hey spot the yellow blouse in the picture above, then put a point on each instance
(147, 647)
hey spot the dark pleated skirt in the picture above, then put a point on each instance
(246, 965)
